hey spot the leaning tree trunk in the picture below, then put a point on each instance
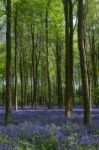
(83, 64)
(8, 117)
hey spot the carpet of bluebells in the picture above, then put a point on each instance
(49, 130)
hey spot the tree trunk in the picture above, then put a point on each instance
(94, 66)
(31, 76)
(69, 56)
(22, 84)
(33, 65)
(15, 26)
(8, 117)
(47, 63)
(87, 119)
(25, 84)
(58, 74)
(35, 83)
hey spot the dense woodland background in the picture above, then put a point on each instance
(49, 54)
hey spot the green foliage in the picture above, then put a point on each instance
(31, 17)
(3, 139)
(23, 145)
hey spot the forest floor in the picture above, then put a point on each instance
(49, 130)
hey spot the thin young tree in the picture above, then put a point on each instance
(47, 56)
(58, 72)
(8, 64)
(15, 28)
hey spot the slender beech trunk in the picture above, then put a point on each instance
(15, 27)
(71, 50)
(31, 76)
(33, 65)
(25, 84)
(36, 78)
(35, 84)
(87, 118)
(58, 74)
(8, 117)
(47, 63)
(21, 79)
(94, 66)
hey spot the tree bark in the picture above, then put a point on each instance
(83, 65)
(8, 117)
(33, 65)
(58, 74)
(69, 56)
(22, 84)
(47, 63)
(15, 26)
